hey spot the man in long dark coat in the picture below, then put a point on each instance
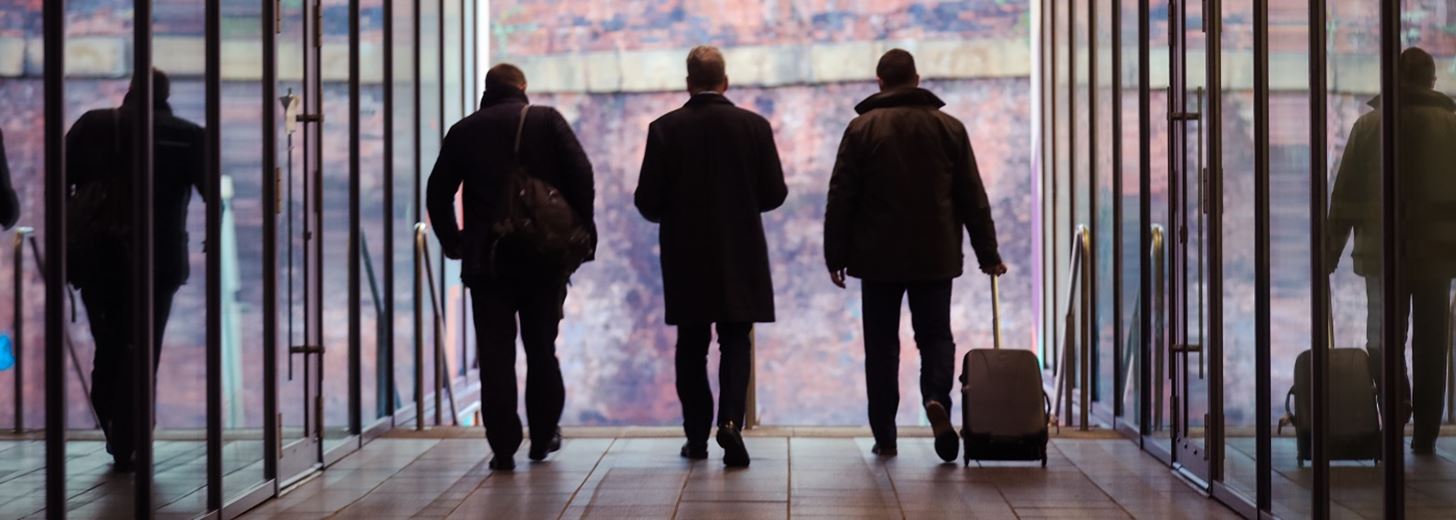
(710, 170)
(904, 186)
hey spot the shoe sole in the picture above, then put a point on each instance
(735, 454)
(947, 443)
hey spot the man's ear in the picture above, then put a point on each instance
(523, 87)
(881, 82)
(916, 83)
(724, 89)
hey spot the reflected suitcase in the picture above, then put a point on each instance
(1004, 409)
(1354, 423)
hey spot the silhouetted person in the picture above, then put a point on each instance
(709, 171)
(904, 185)
(1426, 213)
(9, 204)
(99, 223)
(478, 153)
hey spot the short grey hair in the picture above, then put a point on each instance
(706, 67)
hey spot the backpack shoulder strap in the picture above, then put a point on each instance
(521, 129)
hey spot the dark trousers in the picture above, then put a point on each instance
(496, 308)
(113, 373)
(692, 376)
(930, 316)
(1425, 306)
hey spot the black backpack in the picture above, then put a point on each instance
(98, 219)
(534, 225)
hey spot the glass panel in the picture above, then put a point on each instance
(241, 245)
(373, 212)
(180, 448)
(403, 214)
(291, 307)
(1353, 176)
(1289, 253)
(22, 327)
(1129, 249)
(334, 229)
(1238, 243)
(1104, 226)
(1194, 272)
(1159, 199)
(1061, 217)
(1427, 255)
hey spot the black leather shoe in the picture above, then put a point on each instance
(947, 443)
(735, 454)
(884, 451)
(691, 451)
(1423, 447)
(539, 450)
(502, 463)
(122, 464)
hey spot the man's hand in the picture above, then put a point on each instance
(452, 253)
(837, 276)
(995, 270)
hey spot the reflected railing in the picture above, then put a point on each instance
(442, 365)
(1073, 367)
(1159, 254)
(26, 236)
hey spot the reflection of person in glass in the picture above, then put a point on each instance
(1426, 209)
(99, 171)
(710, 170)
(904, 186)
(9, 204)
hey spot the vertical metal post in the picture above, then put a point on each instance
(1262, 265)
(419, 330)
(1084, 358)
(1118, 407)
(272, 422)
(1393, 334)
(388, 193)
(1319, 288)
(213, 200)
(1145, 215)
(354, 297)
(418, 287)
(143, 335)
(54, 59)
(1213, 116)
(1091, 344)
(17, 346)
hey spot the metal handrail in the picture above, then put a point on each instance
(442, 365)
(1159, 254)
(25, 235)
(1074, 370)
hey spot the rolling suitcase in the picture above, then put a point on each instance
(1354, 423)
(1004, 409)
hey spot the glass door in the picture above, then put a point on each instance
(298, 281)
(1192, 251)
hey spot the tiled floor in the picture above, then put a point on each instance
(97, 492)
(798, 473)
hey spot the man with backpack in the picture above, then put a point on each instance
(527, 193)
(904, 185)
(710, 170)
(99, 241)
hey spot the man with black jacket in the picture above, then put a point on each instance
(479, 154)
(709, 171)
(904, 185)
(98, 159)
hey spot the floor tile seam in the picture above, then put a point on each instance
(682, 490)
(467, 496)
(569, 500)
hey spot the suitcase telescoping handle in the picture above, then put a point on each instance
(996, 310)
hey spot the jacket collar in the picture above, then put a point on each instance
(902, 97)
(1420, 97)
(707, 98)
(501, 96)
